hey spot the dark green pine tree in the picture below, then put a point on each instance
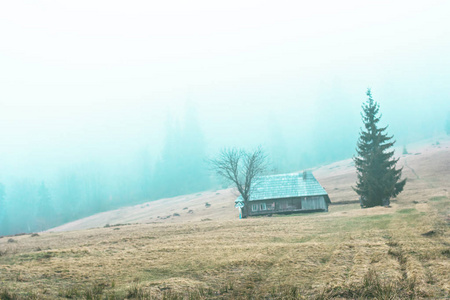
(378, 179)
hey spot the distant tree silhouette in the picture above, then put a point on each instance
(22, 196)
(2, 197)
(193, 151)
(279, 152)
(378, 178)
(168, 173)
(3, 214)
(447, 124)
(69, 195)
(181, 168)
(45, 209)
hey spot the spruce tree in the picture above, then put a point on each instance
(4, 222)
(378, 179)
(45, 210)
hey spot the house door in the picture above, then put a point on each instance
(282, 205)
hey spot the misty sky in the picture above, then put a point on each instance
(83, 80)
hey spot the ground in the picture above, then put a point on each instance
(207, 252)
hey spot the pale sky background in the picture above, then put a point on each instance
(82, 80)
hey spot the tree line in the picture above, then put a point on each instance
(77, 191)
(30, 204)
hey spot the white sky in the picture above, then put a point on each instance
(77, 77)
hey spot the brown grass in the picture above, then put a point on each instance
(347, 253)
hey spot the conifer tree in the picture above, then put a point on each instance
(45, 210)
(378, 179)
(4, 222)
(447, 124)
(2, 197)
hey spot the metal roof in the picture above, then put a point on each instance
(285, 186)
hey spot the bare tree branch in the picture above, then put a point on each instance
(240, 167)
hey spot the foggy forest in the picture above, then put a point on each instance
(93, 119)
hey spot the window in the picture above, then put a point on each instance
(254, 207)
(263, 206)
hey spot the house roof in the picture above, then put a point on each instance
(285, 186)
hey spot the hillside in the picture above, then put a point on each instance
(347, 253)
(426, 163)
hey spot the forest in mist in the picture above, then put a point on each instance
(105, 104)
(30, 204)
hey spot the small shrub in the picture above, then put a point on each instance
(11, 240)
(34, 235)
(190, 211)
(176, 214)
(207, 205)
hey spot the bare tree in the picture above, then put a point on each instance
(241, 168)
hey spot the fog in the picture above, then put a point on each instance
(106, 103)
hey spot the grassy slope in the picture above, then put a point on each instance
(347, 252)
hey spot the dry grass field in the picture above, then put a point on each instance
(349, 253)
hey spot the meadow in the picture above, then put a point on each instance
(400, 252)
(390, 253)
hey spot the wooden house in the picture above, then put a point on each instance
(284, 193)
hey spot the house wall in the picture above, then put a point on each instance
(314, 203)
(287, 205)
